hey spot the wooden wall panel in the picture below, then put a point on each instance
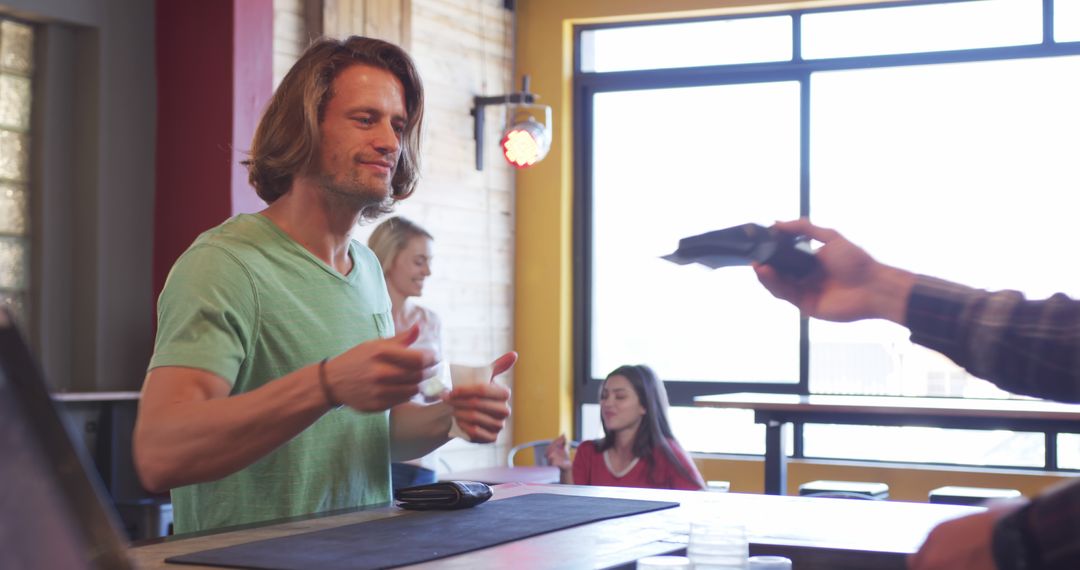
(388, 20)
(296, 23)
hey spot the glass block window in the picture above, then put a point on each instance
(16, 69)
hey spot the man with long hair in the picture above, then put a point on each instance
(277, 385)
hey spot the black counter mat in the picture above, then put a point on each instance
(421, 536)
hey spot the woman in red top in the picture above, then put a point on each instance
(638, 449)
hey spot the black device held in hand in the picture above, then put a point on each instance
(744, 244)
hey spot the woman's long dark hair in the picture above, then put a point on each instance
(654, 430)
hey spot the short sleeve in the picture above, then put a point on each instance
(207, 314)
(583, 461)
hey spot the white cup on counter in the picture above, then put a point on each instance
(769, 563)
(664, 563)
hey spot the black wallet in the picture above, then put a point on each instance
(445, 495)
(745, 244)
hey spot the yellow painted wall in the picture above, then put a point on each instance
(543, 395)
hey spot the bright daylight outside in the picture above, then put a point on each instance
(965, 171)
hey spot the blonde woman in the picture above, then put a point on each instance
(405, 252)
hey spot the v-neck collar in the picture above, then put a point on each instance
(619, 474)
(295, 245)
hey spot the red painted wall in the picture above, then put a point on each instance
(214, 76)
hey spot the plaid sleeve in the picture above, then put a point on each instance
(1047, 535)
(1025, 347)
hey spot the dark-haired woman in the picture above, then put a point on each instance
(638, 448)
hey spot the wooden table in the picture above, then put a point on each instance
(777, 411)
(499, 475)
(815, 533)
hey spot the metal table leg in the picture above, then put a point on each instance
(776, 457)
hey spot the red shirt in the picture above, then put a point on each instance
(591, 469)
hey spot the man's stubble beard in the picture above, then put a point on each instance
(355, 195)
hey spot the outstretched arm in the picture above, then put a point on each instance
(849, 285)
(1024, 346)
(1029, 347)
(190, 429)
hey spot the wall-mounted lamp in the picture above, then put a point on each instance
(525, 140)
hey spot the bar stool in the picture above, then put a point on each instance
(718, 486)
(956, 495)
(845, 490)
(539, 448)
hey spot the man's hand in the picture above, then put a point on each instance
(480, 410)
(850, 285)
(379, 374)
(962, 543)
(557, 453)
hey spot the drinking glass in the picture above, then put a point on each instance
(717, 545)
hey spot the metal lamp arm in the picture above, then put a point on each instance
(521, 98)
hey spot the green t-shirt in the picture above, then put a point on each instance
(249, 304)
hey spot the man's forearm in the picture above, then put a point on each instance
(888, 293)
(1024, 346)
(205, 438)
(416, 429)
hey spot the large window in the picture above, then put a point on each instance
(941, 136)
(748, 172)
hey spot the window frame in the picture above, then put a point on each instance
(587, 84)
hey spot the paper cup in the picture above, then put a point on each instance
(463, 375)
